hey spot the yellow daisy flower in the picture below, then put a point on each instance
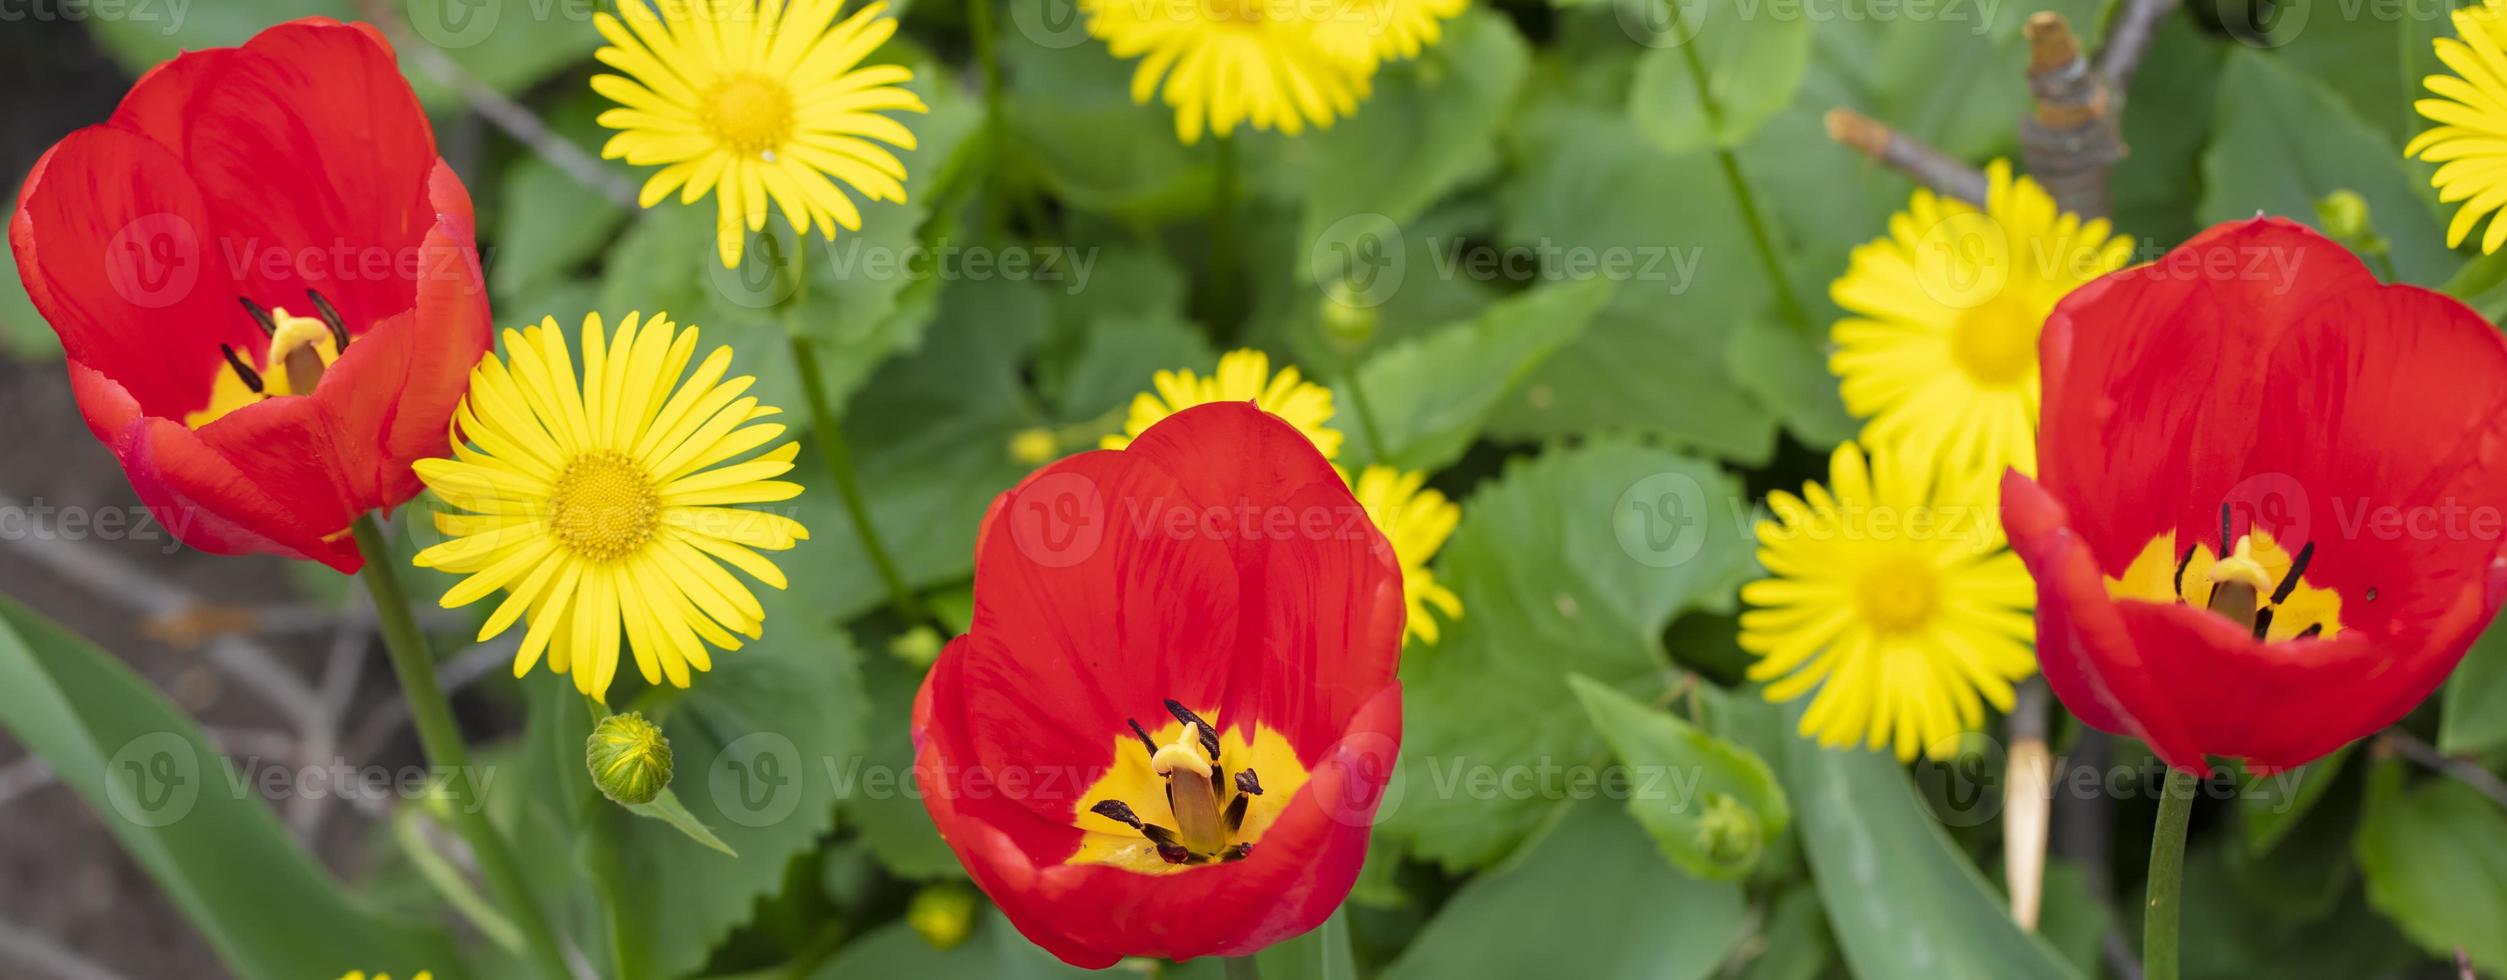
(759, 99)
(1230, 62)
(1891, 594)
(1243, 375)
(1941, 348)
(1368, 33)
(2469, 144)
(361, 975)
(605, 506)
(1417, 521)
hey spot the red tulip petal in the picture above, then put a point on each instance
(2153, 381)
(1306, 556)
(1091, 610)
(113, 242)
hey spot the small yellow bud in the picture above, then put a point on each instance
(629, 759)
(1035, 447)
(1730, 833)
(943, 913)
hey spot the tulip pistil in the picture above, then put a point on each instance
(2249, 579)
(1208, 806)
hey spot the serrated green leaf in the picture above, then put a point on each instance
(1588, 900)
(1788, 371)
(877, 801)
(1716, 73)
(995, 951)
(2283, 141)
(2435, 857)
(1571, 563)
(1429, 398)
(183, 815)
(1430, 124)
(1682, 775)
(1902, 899)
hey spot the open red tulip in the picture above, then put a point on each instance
(2267, 519)
(265, 281)
(1168, 727)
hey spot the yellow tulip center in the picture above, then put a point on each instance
(1995, 342)
(751, 114)
(605, 507)
(301, 349)
(1897, 594)
(2255, 581)
(1186, 796)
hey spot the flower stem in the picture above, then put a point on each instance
(2167, 877)
(1741, 198)
(432, 713)
(839, 458)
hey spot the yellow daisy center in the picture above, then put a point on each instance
(1996, 341)
(749, 113)
(605, 507)
(1897, 594)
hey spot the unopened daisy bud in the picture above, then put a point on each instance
(629, 758)
(1035, 446)
(919, 646)
(1729, 833)
(1349, 322)
(943, 913)
(2345, 217)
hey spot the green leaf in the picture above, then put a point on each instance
(1123, 353)
(1588, 900)
(23, 332)
(145, 37)
(1717, 73)
(1788, 372)
(1794, 943)
(2435, 857)
(2269, 807)
(187, 818)
(1430, 124)
(2154, 189)
(1902, 899)
(1710, 805)
(759, 742)
(508, 45)
(2229, 939)
(545, 222)
(2282, 141)
(2474, 716)
(667, 809)
(2072, 918)
(878, 800)
(1074, 125)
(994, 951)
(1430, 397)
(1571, 563)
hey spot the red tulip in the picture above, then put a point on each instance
(1167, 730)
(251, 223)
(2268, 513)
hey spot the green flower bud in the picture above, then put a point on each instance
(2344, 215)
(1347, 319)
(629, 759)
(918, 646)
(944, 913)
(1729, 833)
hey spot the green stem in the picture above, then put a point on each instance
(1224, 315)
(1241, 968)
(449, 883)
(1742, 198)
(432, 713)
(1366, 414)
(602, 833)
(839, 457)
(2478, 276)
(2167, 877)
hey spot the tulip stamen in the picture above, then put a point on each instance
(252, 378)
(1210, 804)
(331, 319)
(2254, 581)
